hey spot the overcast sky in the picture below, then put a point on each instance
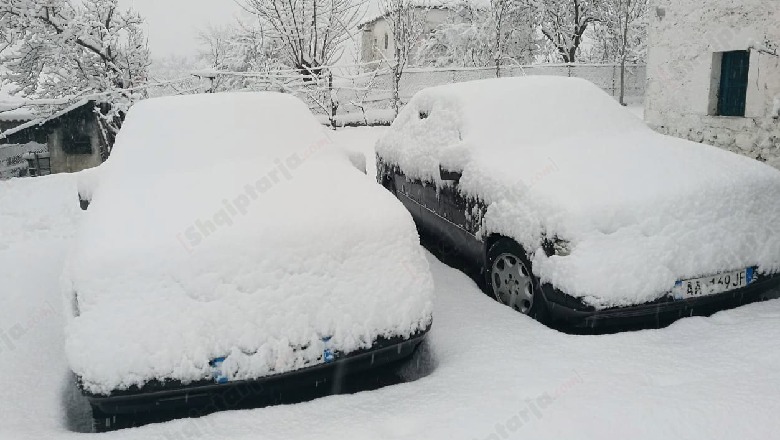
(172, 24)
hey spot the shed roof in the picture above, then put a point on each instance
(42, 121)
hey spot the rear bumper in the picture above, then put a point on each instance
(208, 394)
(571, 312)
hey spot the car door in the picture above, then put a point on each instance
(461, 217)
(445, 214)
(409, 192)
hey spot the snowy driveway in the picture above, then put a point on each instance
(497, 374)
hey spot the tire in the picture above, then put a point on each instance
(510, 280)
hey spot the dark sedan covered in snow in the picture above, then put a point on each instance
(575, 210)
(231, 248)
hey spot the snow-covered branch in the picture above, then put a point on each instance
(308, 33)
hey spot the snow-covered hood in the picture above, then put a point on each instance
(264, 246)
(556, 157)
(641, 211)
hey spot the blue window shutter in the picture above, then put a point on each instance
(733, 83)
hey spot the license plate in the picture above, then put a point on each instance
(217, 372)
(712, 285)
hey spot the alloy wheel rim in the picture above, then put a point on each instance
(512, 284)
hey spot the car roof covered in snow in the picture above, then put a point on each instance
(199, 130)
(499, 116)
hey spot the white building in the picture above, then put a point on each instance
(714, 74)
(377, 37)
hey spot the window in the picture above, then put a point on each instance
(77, 145)
(387, 41)
(41, 136)
(730, 76)
(75, 137)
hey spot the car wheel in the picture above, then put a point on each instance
(511, 281)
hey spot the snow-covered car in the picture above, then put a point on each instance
(228, 242)
(575, 210)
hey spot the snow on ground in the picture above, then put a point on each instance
(37, 222)
(361, 141)
(498, 375)
(636, 105)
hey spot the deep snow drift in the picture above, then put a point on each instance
(559, 157)
(250, 236)
(499, 375)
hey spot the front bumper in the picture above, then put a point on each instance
(207, 395)
(571, 312)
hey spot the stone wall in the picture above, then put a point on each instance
(683, 73)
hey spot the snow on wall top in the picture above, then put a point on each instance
(229, 225)
(558, 156)
(37, 122)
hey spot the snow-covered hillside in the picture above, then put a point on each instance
(496, 374)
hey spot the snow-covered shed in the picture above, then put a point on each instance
(14, 148)
(68, 141)
(714, 74)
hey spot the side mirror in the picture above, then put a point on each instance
(84, 202)
(450, 175)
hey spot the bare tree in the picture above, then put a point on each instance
(481, 37)
(216, 50)
(623, 31)
(229, 50)
(361, 88)
(406, 22)
(94, 45)
(462, 40)
(311, 32)
(506, 22)
(564, 22)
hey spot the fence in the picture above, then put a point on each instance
(12, 162)
(367, 98)
(377, 96)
